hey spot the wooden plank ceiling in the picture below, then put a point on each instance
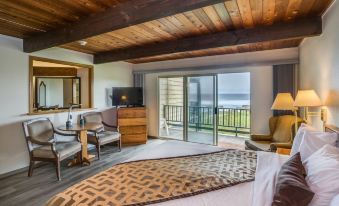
(26, 18)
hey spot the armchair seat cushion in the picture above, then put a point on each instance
(64, 149)
(258, 145)
(104, 137)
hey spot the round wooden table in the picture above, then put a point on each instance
(81, 130)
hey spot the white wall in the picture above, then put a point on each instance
(319, 65)
(14, 94)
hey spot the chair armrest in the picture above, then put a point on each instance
(97, 130)
(64, 134)
(110, 127)
(35, 141)
(274, 146)
(260, 137)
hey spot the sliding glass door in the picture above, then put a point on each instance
(187, 108)
(200, 106)
(209, 109)
(171, 107)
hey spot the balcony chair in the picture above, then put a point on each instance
(105, 135)
(42, 145)
(282, 132)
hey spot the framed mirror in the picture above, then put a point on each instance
(55, 85)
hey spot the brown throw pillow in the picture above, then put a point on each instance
(291, 188)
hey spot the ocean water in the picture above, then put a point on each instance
(224, 100)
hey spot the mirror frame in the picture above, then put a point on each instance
(31, 86)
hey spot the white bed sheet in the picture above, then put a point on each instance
(238, 195)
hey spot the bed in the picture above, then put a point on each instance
(246, 193)
(240, 194)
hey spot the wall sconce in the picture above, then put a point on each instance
(309, 98)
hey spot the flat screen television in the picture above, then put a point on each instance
(127, 96)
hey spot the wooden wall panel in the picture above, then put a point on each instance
(24, 18)
(55, 71)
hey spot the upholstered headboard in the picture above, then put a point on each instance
(332, 128)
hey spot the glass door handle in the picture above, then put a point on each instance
(215, 110)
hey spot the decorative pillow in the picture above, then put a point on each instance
(322, 169)
(298, 137)
(335, 201)
(291, 188)
(312, 141)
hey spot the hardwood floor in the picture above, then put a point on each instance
(21, 190)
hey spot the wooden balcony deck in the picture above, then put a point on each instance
(205, 137)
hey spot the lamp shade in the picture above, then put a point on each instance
(283, 101)
(307, 98)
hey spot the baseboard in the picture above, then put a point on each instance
(21, 170)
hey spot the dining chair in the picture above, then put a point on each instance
(43, 146)
(104, 135)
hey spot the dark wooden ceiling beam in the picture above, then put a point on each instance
(288, 30)
(125, 14)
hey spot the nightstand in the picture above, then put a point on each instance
(283, 151)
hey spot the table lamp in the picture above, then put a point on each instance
(284, 101)
(306, 99)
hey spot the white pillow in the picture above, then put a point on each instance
(322, 169)
(298, 137)
(312, 141)
(335, 201)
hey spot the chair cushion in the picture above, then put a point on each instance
(64, 149)
(283, 132)
(258, 145)
(41, 130)
(93, 118)
(108, 136)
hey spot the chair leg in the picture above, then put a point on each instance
(31, 167)
(98, 150)
(57, 163)
(119, 145)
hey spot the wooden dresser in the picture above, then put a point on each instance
(132, 124)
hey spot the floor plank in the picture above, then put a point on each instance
(21, 190)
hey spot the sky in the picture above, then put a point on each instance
(228, 83)
(238, 83)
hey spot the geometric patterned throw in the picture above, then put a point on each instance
(152, 181)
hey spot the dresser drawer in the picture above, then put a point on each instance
(132, 122)
(133, 138)
(133, 129)
(132, 113)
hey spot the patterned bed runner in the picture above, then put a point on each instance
(152, 181)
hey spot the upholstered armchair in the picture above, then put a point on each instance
(42, 144)
(282, 132)
(105, 135)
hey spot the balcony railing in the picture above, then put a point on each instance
(230, 120)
